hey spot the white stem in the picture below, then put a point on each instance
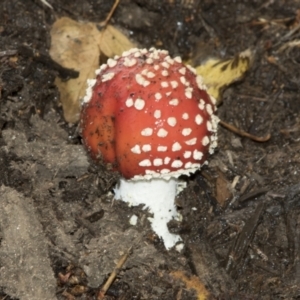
(158, 195)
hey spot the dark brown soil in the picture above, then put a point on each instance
(61, 232)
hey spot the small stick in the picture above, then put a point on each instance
(105, 22)
(47, 4)
(8, 53)
(113, 275)
(244, 133)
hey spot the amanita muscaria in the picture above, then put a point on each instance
(150, 117)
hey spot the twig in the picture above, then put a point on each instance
(287, 36)
(105, 22)
(243, 240)
(47, 4)
(113, 275)
(253, 194)
(8, 53)
(244, 133)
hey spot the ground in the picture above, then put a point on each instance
(61, 232)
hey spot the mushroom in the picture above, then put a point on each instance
(149, 116)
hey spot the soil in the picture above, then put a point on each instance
(62, 233)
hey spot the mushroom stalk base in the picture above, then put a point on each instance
(158, 196)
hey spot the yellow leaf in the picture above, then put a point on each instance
(114, 42)
(73, 46)
(217, 74)
(78, 46)
(192, 282)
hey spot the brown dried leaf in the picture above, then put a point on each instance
(223, 192)
(78, 46)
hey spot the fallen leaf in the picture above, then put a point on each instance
(78, 46)
(192, 282)
(218, 74)
(113, 42)
(223, 192)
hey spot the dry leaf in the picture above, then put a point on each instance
(223, 192)
(78, 46)
(114, 42)
(74, 45)
(217, 74)
(192, 282)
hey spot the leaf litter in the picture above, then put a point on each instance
(79, 46)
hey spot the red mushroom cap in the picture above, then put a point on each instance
(148, 114)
